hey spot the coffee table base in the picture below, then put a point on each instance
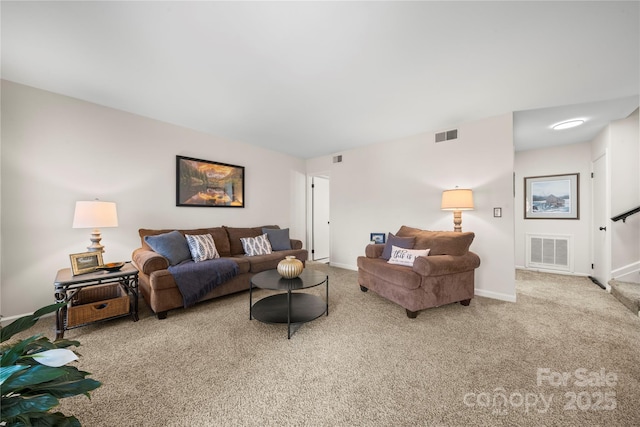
(304, 308)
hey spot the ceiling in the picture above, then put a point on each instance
(315, 78)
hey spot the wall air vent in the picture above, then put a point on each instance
(549, 252)
(337, 159)
(447, 135)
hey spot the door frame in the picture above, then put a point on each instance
(310, 213)
(606, 252)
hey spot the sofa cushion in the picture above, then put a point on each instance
(270, 261)
(278, 238)
(235, 233)
(219, 234)
(258, 245)
(440, 242)
(402, 256)
(172, 245)
(221, 240)
(202, 247)
(401, 242)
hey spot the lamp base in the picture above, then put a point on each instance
(457, 221)
(95, 242)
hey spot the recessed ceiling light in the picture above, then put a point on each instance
(568, 124)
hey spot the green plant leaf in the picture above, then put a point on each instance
(25, 322)
(11, 356)
(7, 371)
(34, 375)
(15, 406)
(47, 419)
(68, 389)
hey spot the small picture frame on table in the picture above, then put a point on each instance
(85, 262)
(377, 238)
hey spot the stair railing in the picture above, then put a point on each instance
(623, 216)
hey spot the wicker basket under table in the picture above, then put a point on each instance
(97, 303)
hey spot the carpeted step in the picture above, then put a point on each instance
(627, 293)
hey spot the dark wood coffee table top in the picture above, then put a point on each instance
(271, 279)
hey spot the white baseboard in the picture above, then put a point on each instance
(345, 266)
(495, 295)
(6, 320)
(628, 273)
(543, 270)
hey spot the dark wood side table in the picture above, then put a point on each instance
(95, 297)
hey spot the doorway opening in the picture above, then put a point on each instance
(319, 238)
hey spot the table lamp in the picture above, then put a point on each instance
(457, 200)
(95, 214)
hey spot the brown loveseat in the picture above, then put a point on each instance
(445, 276)
(159, 289)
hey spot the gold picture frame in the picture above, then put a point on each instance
(85, 262)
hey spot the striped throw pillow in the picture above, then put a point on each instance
(256, 245)
(202, 247)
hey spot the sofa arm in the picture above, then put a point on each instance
(440, 265)
(374, 250)
(296, 244)
(149, 261)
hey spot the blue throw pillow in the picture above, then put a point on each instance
(279, 238)
(173, 246)
(401, 242)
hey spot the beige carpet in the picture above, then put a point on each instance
(367, 364)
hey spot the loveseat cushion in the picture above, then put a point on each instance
(396, 275)
(440, 242)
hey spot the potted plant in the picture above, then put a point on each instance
(34, 375)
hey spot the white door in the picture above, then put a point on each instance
(320, 219)
(601, 223)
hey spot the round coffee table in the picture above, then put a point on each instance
(290, 307)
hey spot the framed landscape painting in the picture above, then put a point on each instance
(552, 197)
(205, 183)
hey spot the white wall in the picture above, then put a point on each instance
(624, 146)
(574, 158)
(381, 187)
(57, 150)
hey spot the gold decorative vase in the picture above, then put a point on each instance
(290, 267)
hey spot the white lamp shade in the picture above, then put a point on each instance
(95, 214)
(458, 199)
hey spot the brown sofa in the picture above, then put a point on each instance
(445, 276)
(159, 289)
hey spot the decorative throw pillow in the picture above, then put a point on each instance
(278, 238)
(401, 242)
(172, 245)
(256, 245)
(202, 247)
(402, 256)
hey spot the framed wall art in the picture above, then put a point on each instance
(205, 183)
(85, 262)
(552, 197)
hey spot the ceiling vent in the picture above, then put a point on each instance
(447, 135)
(337, 159)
